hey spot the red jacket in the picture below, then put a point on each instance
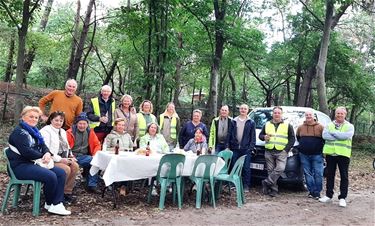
(94, 143)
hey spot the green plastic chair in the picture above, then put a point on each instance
(226, 155)
(235, 178)
(14, 182)
(169, 172)
(203, 172)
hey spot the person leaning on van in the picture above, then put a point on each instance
(279, 138)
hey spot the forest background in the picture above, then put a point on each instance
(196, 53)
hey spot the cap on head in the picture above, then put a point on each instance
(82, 116)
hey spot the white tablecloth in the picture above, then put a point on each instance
(128, 166)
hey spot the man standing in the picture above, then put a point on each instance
(242, 142)
(309, 136)
(338, 149)
(220, 130)
(84, 144)
(279, 137)
(101, 112)
(63, 100)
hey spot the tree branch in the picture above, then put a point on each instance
(312, 13)
(10, 14)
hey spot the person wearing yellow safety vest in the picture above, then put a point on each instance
(338, 136)
(220, 131)
(100, 112)
(279, 138)
(169, 124)
(145, 117)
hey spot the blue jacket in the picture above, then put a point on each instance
(27, 146)
(248, 137)
(187, 132)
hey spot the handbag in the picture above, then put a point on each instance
(48, 165)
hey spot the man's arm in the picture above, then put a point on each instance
(327, 135)
(344, 135)
(252, 136)
(262, 133)
(291, 138)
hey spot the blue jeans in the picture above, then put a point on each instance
(246, 172)
(313, 170)
(53, 180)
(84, 162)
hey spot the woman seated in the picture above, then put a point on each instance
(55, 138)
(198, 143)
(119, 134)
(154, 140)
(27, 145)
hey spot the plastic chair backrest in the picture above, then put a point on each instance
(237, 168)
(226, 155)
(204, 166)
(10, 171)
(171, 166)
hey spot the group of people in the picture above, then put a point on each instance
(71, 137)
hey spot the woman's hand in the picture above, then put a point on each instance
(46, 158)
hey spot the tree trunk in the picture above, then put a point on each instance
(233, 94)
(177, 76)
(22, 33)
(75, 36)
(320, 67)
(9, 68)
(215, 67)
(30, 56)
(73, 70)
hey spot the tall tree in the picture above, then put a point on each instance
(28, 8)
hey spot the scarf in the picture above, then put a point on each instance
(33, 131)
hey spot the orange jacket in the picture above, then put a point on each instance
(94, 143)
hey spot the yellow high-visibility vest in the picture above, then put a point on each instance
(142, 123)
(96, 108)
(338, 147)
(279, 138)
(173, 125)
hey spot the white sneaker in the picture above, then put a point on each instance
(342, 203)
(59, 209)
(46, 206)
(325, 199)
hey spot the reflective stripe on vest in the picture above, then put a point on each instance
(279, 138)
(338, 147)
(173, 126)
(142, 123)
(96, 108)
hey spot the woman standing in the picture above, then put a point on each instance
(27, 145)
(169, 123)
(131, 121)
(188, 130)
(55, 138)
(145, 116)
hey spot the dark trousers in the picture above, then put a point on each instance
(53, 180)
(220, 147)
(343, 163)
(246, 172)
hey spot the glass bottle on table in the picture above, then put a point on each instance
(148, 150)
(199, 148)
(117, 147)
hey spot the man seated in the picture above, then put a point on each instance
(84, 144)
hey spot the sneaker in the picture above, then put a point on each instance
(246, 188)
(46, 206)
(325, 199)
(265, 188)
(273, 193)
(342, 203)
(59, 209)
(310, 196)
